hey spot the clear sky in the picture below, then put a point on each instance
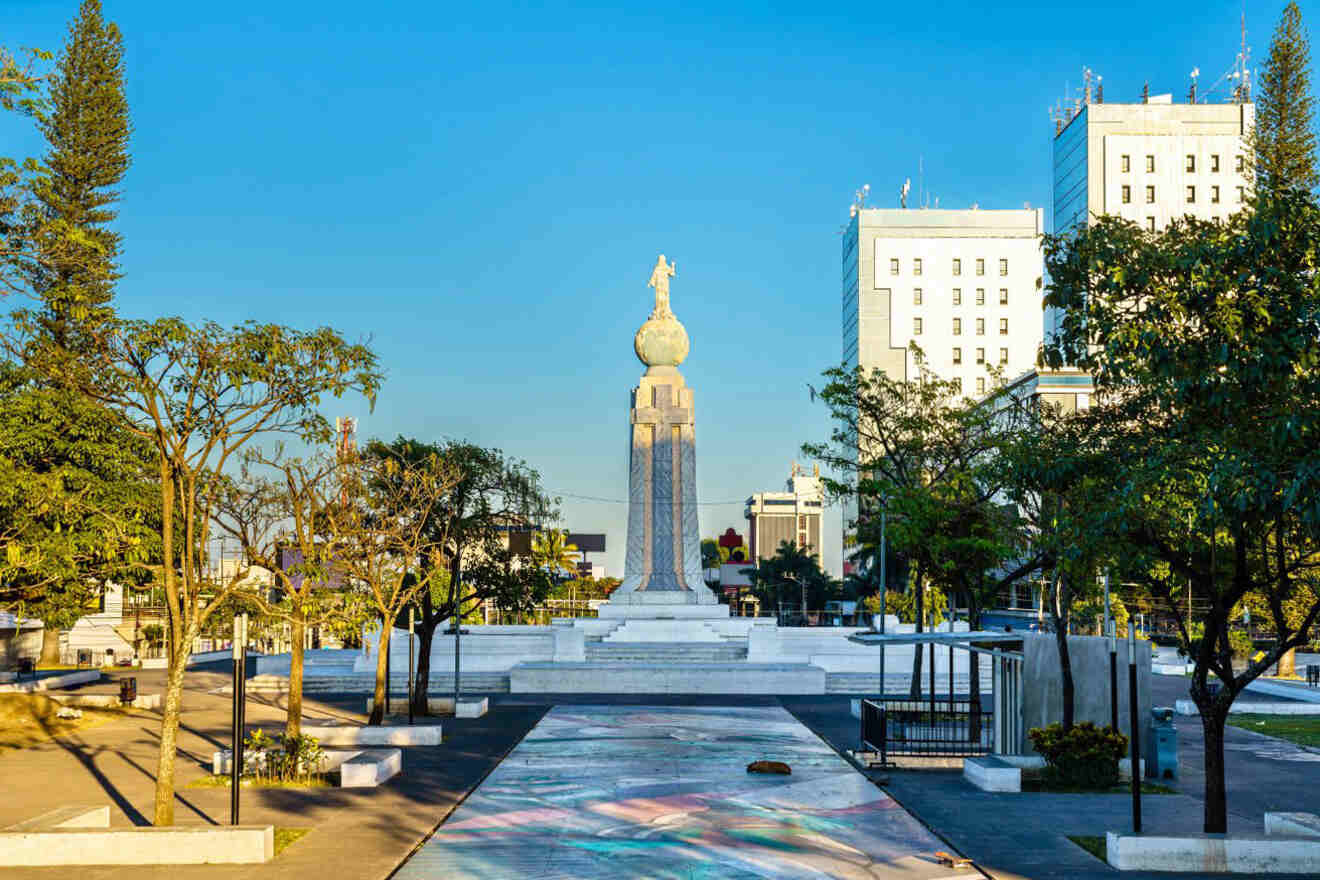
(481, 189)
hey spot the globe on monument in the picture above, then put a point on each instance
(661, 342)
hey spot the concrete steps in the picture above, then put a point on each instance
(365, 683)
(661, 652)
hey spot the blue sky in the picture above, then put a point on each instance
(481, 189)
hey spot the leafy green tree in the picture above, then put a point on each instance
(21, 83)
(1284, 141)
(710, 553)
(1203, 345)
(78, 506)
(552, 549)
(87, 130)
(490, 495)
(793, 576)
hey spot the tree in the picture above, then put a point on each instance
(1283, 141)
(792, 576)
(710, 553)
(77, 508)
(551, 548)
(87, 130)
(20, 93)
(383, 537)
(491, 495)
(1202, 341)
(277, 509)
(199, 395)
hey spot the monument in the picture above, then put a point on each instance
(662, 567)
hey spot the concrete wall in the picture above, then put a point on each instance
(1042, 684)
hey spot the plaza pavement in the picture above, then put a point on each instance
(368, 833)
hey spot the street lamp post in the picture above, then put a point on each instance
(884, 588)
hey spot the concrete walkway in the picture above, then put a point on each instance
(357, 833)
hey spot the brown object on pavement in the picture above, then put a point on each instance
(769, 767)
(949, 861)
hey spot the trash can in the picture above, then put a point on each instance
(127, 691)
(1163, 764)
(1313, 675)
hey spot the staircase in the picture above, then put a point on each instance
(666, 652)
(439, 685)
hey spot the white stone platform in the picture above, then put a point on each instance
(989, 773)
(365, 735)
(647, 678)
(1252, 854)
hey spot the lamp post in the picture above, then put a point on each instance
(1113, 675)
(236, 752)
(884, 588)
(410, 664)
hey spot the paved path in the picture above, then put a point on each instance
(663, 792)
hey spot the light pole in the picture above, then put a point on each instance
(884, 588)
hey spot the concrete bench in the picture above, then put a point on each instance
(989, 773)
(83, 836)
(1293, 824)
(473, 707)
(1213, 853)
(358, 735)
(370, 768)
(222, 760)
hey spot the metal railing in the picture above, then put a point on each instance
(927, 728)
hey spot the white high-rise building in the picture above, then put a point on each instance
(1150, 163)
(965, 286)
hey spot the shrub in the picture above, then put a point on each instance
(282, 758)
(1084, 757)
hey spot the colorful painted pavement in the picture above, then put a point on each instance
(663, 792)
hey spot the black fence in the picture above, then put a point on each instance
(933, 729)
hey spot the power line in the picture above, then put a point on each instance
(740, 502)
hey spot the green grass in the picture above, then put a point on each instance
(1094, 845)
(1301, 729)
(211, 781)
(1036, 782)
(285, 837)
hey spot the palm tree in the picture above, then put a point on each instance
(552, 549)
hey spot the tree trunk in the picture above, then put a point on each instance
(1287, 663)
(50, 646)
(425, 634)
(297, 632)
(169, 731)
(382, 653)
(914, 687)
(1216, 796)
(1065, 670)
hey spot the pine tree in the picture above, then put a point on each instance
(87, 129)
(1284, 142)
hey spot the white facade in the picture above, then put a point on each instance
(965, 286)
(793, 515)
(1150, 163)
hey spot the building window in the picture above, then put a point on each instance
(1150, 195)
(1191, 164)
(980, 296)
(1003, 296)
(1127, 164)
(957, 296)
(1214, 195)
(1214, 162)
(1238, 165)
(980, 326)
(980, 355)
(893, 266)
(1003, 326)
(980, 266)
(957, 266)
(957, 355)
(1150, 223)
(957, 326)
(1003, 355)
(1242, 194)
(1127, 194)
(916, 296)
(1003, 267)
(980, 384)
(916, 266)
(1191, 195)
(1150, 164)
(916, 326)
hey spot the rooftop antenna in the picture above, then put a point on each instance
(921, 181)
(1191, 94)
(1239, 75)
(1145, 93)
(1099, 90)
(903, 192)
(1086, 85)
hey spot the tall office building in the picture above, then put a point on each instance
(965, 286)
(1149, 163)
(793, 515)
